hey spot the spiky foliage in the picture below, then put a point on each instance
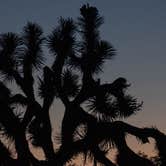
(89, 23)
(47, 86)
(93, 63)
(102, 52)
(127, 106)
(70, 83)
(61, 42)
(103, 107)
(93, 51)
(113, 103)
(10, 48)
(33, 40)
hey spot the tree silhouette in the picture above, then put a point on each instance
(90, 125)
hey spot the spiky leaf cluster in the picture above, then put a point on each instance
(93, 51)
(61, 41)
(70, 83)
(10, 48)
(110, 108)
(112, 102)
(33, 40)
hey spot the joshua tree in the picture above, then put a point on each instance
(92, 108)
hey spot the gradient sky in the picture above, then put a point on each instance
(137, 29)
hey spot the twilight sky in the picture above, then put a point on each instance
(137, 29)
